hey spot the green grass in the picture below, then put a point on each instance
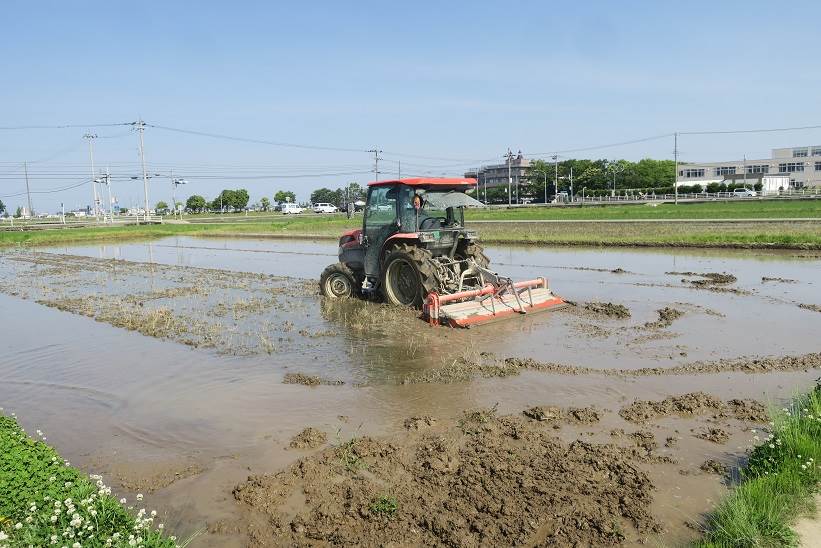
(778, 483)
(43, 499)
(770, 234)
(384, 505)
(741, 209)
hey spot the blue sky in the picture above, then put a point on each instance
(461, 81)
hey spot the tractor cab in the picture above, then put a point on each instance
(427, 212)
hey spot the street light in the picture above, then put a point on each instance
(617, 168)
(174, 184)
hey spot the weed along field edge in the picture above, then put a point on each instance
(753, 224)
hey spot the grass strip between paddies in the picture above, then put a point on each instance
(46, 502)
(778, 483)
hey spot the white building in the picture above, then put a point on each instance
(799, 167)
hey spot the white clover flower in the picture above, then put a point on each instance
(139, 496)
(160, 526)
(122, 501)
(69, 484)
(3, 536)
(772, 446)
(18, 525)
(756, 438)
(53, 519)
(799, 456)
(154, 512)
(76, 545)
(29, 519)
(115, 536)
(803, 466)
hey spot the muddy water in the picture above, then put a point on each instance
(191, 423)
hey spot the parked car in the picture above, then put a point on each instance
(744, 193)
(325, 208)
(291, 209)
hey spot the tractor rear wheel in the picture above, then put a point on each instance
(473, 251)
(338, 281)
(407, 277)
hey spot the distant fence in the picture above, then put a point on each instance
(9, 224)
(637, 197)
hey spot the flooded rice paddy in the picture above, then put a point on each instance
(179, 368)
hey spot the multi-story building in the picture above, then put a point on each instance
(497, 175)
(802, 165)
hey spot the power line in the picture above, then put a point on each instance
(738, 131)
(255, 141)
(66, 126)
(49, 191)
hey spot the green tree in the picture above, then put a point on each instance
(2, 207)
(18, 213)
(195, 203)
(324, 195)
(265, 203)
(240, 199)
(283, 196)
(161, 207)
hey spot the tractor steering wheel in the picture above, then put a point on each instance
(429, 222)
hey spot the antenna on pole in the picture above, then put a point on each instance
(376, 152)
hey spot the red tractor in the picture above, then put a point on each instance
(414, 250)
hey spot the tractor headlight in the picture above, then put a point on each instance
(471, 235)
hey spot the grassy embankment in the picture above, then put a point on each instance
(777, 485)
(777, 233)
(44, 501)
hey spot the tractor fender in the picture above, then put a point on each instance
(397, 238)
(351, 253)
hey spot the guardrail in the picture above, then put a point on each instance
(11, 223)
(579, 199)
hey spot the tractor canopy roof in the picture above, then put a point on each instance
(430, 182)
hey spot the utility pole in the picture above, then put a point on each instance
(556, 183)
(174, 184)
(545, 184)
(376, 152)
(110, 201)
(509, 179)
(571, 182)
(140, 128)
(91, 137)
(745, 171)
(28, 190)
(675, 156)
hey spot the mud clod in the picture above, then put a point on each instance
(813, 307)
(608, 309)
(667, 316)
(765, 279)
(309, 438)
(694, 404)
(712, 466)
(419, 422)
(309, 380)
(715, 435)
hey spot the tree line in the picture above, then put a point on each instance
(231, 201)
(594, 176)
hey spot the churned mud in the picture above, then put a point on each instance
(309, 380)
(707, 278)
(466, 368)
(571, 415)
(713, 466)
(813, 307)
(693, 404)
(487, 481)
(765, 279)
(713, 434)
(667, 316)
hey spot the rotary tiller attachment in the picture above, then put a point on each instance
(496, 299)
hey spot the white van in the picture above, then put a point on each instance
(290, 208)
(325, 208)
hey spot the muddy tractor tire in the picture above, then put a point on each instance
(338, 282)
(473, 251)
(407, 276)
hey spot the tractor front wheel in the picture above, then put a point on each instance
(338, 281)
(406, 276)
